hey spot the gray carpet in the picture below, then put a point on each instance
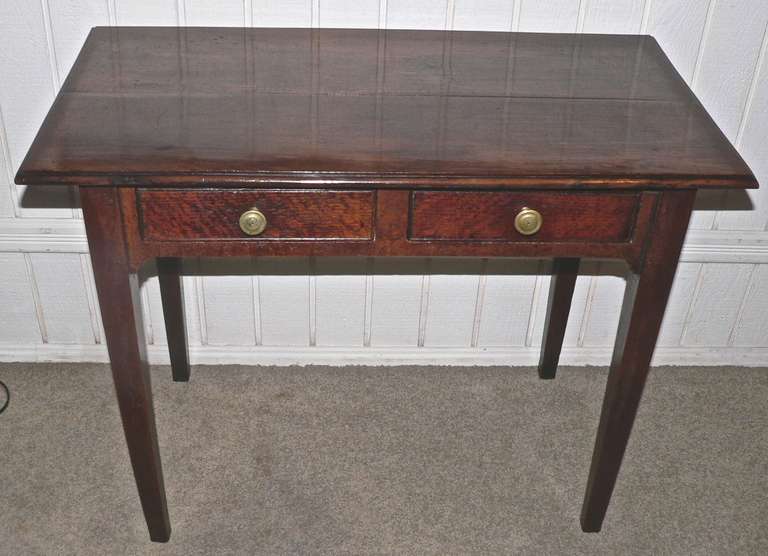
(405, 460)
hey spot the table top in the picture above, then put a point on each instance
(175, 106)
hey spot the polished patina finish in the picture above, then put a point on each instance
(289, 142)
(161, 106)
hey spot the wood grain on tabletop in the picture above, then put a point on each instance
(433, 108)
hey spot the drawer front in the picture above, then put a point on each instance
(175, 215)
(490, 216)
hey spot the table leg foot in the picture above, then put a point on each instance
(130, 370)
(591, 527)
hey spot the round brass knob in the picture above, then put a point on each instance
(528, 221)
(253, 221)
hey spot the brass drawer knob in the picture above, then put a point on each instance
(253, 222)
(528, 221)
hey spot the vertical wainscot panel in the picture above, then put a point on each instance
(602, 319)
(416, 14)
(283, 301)
(482, 15)
(584, 290)
(190, 267)
(452, 302)
(752, 327)
(505, 310)
(396, 301)
(613, 16)
(340, 301)
(361, 14)
(147, 12)
(228, 301)
(63, 298)
(286, 13)
(222, 13)
(679, 306)
(7, 209)
(18, 319)
(717, 304)
(549, 17)
(539, 307)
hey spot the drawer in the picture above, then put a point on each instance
(215, 214)
(490, 216)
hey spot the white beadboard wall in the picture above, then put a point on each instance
(391, 311)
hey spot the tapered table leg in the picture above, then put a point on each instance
(117, 286)
(645, 300)
(564, 273)
(172, 295)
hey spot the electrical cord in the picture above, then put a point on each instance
(4, 388)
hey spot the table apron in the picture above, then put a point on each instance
(392, 222)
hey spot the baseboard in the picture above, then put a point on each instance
(341, 356)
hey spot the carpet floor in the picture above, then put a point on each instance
(366, 460)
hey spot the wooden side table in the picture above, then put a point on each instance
(190, 142)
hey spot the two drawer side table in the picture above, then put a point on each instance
(188, 142)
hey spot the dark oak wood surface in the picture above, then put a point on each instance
(645, 299)
(179, 228)
(172, 299)
(379, 143)
(117, 286)
(175, 106)
(490, 216)
(214, 214)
